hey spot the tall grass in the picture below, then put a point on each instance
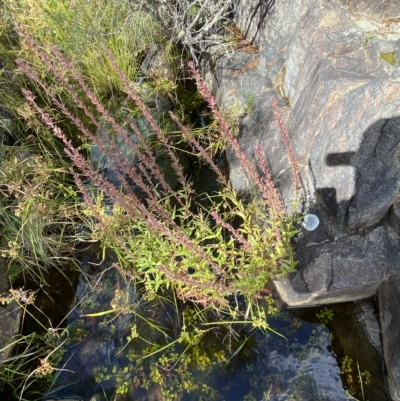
(78, 28)
(39, 213)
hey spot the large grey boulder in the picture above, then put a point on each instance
(334, 68)
(342, 96)
(336, 76)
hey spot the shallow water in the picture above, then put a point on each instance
(239, 365)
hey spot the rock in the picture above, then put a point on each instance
(356, 331)
(382, 10)
(302, 360)
(367, 317)
(162, 73)
(96, 340)
(394, 217)
(389, 295)
(337, 83)
(329, 71)
(104, 163)
(344, 269)
(10, 317)
(127, 146)
(154, 393)
(98, 397)
(7, 125)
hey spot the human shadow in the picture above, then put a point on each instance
(374, 181)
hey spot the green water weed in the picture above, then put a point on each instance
(325, 315)
(346, 369)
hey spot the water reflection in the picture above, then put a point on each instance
(101, 361)
(301, 367)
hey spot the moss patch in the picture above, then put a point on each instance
(389, 58)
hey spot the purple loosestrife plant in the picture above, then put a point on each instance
(286, 141)
(161, 240)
